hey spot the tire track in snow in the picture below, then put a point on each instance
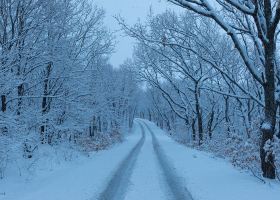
(116, 188)
(174, 182)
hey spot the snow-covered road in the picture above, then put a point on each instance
(147, 165)
(117, 186)
(145, 174)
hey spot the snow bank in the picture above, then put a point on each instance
(210, 178)
(80, 178)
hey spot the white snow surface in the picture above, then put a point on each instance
(78, 180)
(266, 126)
(205, 176)
(210, 178)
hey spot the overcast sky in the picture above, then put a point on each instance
(131, 11)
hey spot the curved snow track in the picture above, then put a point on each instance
(145, 173)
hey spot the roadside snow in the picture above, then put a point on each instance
(78, 180)
(211, 178)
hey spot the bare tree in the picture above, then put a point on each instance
(253, 22)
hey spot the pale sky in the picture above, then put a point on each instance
(131, 11)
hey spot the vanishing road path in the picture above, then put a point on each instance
(145, 173)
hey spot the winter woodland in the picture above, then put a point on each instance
(209, 76)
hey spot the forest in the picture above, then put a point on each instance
(208, 76)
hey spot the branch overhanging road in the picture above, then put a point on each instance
(145, 173)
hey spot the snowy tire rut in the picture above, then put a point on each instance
(173, 181)
(145, 173)
(118, 184)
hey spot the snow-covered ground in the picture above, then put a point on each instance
(148, 165)
(78, 180)
(211, 178)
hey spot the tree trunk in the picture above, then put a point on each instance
(267, 159)
(199, 115)
(150, 115)
(3, 102)
(168, 126)
(193, 130)
(45, 103)
(227, 114)
(20, 94)
(210, 123)
(93, 132)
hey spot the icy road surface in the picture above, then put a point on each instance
(147, 165)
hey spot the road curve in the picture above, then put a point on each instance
(116, 188)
